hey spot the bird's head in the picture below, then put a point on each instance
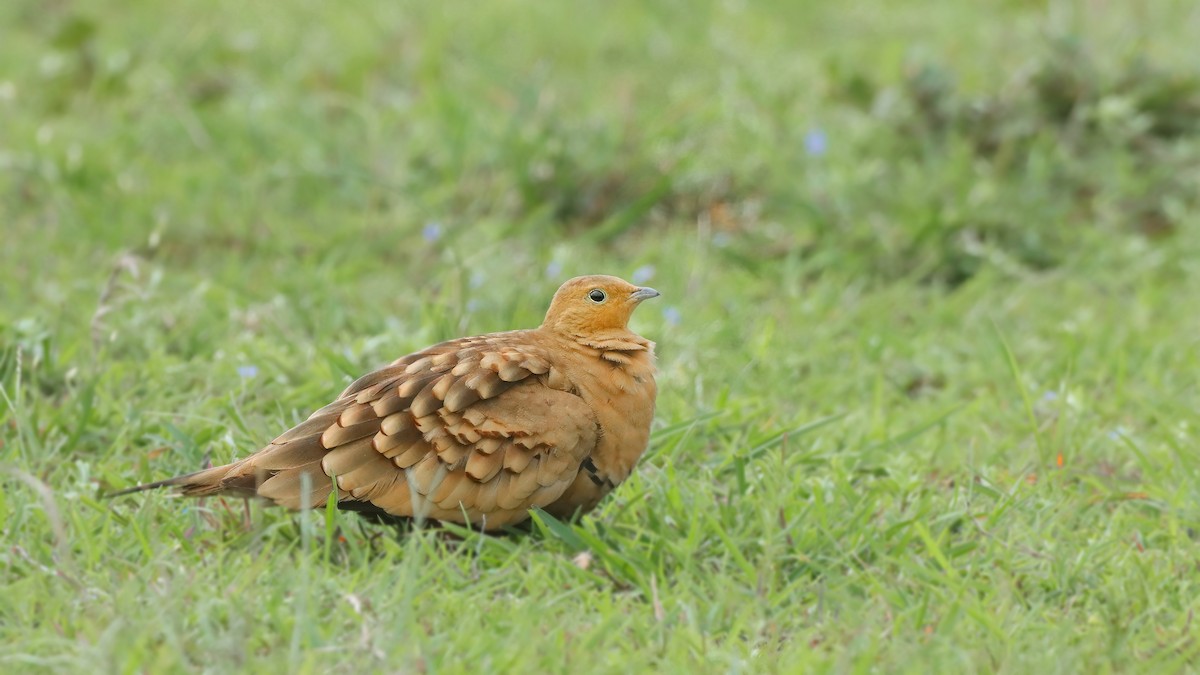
(594, 304)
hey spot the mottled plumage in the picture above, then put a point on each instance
(476, 430)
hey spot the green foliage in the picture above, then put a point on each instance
(928, 342)
(1037, 149)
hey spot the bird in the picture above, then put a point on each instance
(475, 431)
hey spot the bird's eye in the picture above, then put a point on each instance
(597, 296)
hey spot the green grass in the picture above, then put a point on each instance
(929, 338)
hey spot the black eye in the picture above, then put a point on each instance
(597, 296)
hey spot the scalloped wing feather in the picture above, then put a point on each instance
(476, 430)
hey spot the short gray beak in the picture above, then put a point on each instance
(644, 294)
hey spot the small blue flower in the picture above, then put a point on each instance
(247, 372)
(671, 315)
(816, 143)
(554, 269)
(721, 239)
(473, 305)
(477, 279)
(1050, 396)
(432, 231)
(643, 274)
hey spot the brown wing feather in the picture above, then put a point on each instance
(474, 430)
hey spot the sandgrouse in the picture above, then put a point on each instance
(476, 430)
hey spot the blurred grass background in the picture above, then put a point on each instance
(928, 332)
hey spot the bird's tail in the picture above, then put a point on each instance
(288, 471)
(195, 484)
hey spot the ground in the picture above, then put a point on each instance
(928, 334)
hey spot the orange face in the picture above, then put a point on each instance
(595, 303)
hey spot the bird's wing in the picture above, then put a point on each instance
(477, 430)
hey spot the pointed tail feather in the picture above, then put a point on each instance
(197, 483)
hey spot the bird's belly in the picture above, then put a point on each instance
(580, 496)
